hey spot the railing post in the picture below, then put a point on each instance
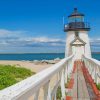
(45, 88)
(96, 74)
(36, 95)
(69, 68)
(71, 62)
(84, 61)
(90, 68)
(55, 97)
(98, 77)
(62, 85)
(66, 72)
(88, 63)
(93, 73)
(47, 92)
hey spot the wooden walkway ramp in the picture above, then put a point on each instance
(81, 88)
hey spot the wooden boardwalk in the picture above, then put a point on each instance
(81, 88)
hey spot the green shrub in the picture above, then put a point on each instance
(98, 86)
(59, 95)
(66, 84)
(6, 81)
(10, 75)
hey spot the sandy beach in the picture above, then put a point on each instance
(35, 67)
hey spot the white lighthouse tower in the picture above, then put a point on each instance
(77, 41)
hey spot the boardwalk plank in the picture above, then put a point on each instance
(79, 90)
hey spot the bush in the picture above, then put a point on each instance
(59, 95)
(98, 86)
(10, 75)
(66, 84)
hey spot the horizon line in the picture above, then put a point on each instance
(42, 53)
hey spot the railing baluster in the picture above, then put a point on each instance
(98, 77)
(98, 74)
(66, 72)
(62, 85)
(46, 91)
(93, 67)
(36, 95)
(54, 90)
(49, 93)
(55, 97)
(94, 73)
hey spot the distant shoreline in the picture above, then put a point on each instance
(31, 53)
(37, 56)
(45, 53)
(95, 52)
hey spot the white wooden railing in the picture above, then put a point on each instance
(93, 67)
(32, 85)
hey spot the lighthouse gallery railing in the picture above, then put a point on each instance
(93, 67)
(32, 85)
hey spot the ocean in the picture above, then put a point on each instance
(38, 56)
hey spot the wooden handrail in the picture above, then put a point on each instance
(32, 85)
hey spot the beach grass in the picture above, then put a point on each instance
(59, 95)
(98, 86)
(10, 74)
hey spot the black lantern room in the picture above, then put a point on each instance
(76, 22)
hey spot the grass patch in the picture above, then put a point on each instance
(59, 95)
(66, 84)
(10, 75)
(98, 86)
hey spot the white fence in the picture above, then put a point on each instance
(32, 85)
(93, 67)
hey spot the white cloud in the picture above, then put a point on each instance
(45, 39)
(95, 42)
(18, 39)
(4, 32)
(39, 41)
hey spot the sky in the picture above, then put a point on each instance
(36, 26)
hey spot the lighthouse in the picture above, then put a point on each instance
(77, 41)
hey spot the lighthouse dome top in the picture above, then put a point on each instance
(76, 22)
(76, 13)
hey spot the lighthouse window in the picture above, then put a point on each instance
(76, 19)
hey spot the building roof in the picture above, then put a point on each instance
(76, 13)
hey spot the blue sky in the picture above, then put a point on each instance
(37, 26)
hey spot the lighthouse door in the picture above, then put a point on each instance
(78, 48)
(78, 51)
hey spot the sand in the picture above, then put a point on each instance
(28, 64)
(35, 67)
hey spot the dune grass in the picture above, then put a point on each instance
(98, 86)
(10, 75)
(58, 94)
